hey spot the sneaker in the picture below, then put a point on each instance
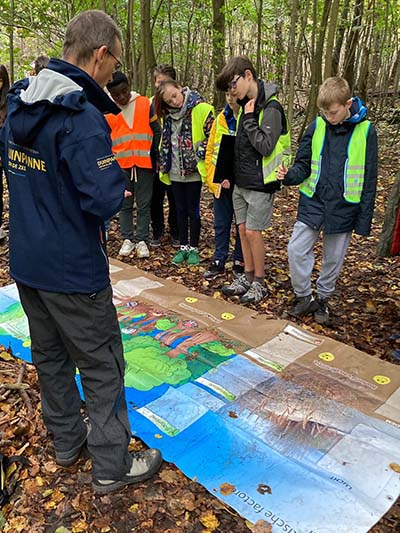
(303, 306)
(238, 287)
(216, 269)
(321, 315)
(255, 294)
(237, 269)
(144, 465)
(155, 242)
(126, 248)
(175, 242)
(141, 250)
(180, 256)
(193, 257)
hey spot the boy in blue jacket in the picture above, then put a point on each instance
(336, 168)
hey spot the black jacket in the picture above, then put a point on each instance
(254, 141)
(327, 208)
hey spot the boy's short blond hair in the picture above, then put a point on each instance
(334, 90)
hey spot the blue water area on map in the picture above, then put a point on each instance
(17, 347)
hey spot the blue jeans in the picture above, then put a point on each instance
(223, 215)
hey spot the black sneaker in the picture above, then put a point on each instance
(303, 306)
(237, 269)
(144, 465)
(216, 270)
(238, 287)
(255, 294)
(321, 315)
(154, 243)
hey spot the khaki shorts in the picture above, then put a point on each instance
(253, 208)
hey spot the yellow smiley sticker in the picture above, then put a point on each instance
(227, 316)
(326, 356)
(191, 300)
(381, 380)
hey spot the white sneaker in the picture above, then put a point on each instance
(127, 248)
(142, 250)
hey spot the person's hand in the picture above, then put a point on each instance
(281, 172)
(226, 184)
(127, 193)
(249, 107)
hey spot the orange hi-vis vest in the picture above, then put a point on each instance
(131, 146)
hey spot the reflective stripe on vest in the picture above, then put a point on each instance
(199, 115)
(131, 145)
(281, 151)
(354, 168)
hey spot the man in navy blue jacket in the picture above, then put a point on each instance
(64, 182)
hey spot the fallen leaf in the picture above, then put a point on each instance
(226, 489)
(209, 520)
(395, 467)
(264, 489)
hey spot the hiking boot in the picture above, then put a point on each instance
(126, 248)
(141, 250)
(255, 294)
(321, 314)
(216, 269)
(144, 465)
(238, 287)
(303, 306)
(237, 269)
(180, 256)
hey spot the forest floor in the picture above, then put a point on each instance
(47, 498)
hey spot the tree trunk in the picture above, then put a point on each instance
(148, 60)
(353, 38)
(11, 41)
(259, 31)
(316, 67)
(330, 38)
(218, 47)
(292, 58)
(340, 38)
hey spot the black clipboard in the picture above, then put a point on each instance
(224, 166)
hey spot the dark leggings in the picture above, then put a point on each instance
(187, 201)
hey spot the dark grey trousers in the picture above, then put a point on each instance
(70, 331)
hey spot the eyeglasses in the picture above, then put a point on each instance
(233, 84)
(118, 63)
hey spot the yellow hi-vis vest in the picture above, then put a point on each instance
(354, 168)
(219, 128)
(281, 151)
(199, 115)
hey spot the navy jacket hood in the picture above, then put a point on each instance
(31, 101)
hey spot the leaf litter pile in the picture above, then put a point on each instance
(50, 499)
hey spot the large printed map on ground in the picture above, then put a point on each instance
(284, 426)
